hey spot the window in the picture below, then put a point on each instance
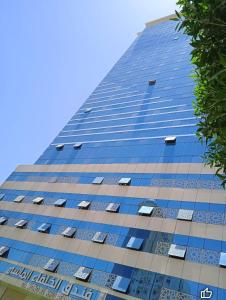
(113, 207)
(121, 284)
(45, 227)
(2, 196)
(21, 224)
(82, 273)
(52, 179)
(38, 200)
(87, 110)
(51, 265)
(60, 146)
(124, 181)
(222, 261)
(69, 232)
(152, 82)
(185, 214)
(19, 199)
(170, 140)
(134, 243)
(2, 220)
(99, 237)
(3, 250)
(60, 202)
(84, 204)
(77, 145)
(177, 251)
(98, 180)
(145, 210)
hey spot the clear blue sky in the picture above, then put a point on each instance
(53, 53)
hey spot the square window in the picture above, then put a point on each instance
(99, 237)
(170, 140)
(77, 145)
(60, 202)
(177, 251)
(152, 82)
(69, 232)
(87, 110)
(121, 284)
(19, 199)
(51, 265)
(145, 210)
(2, 220)
(21, 224)
(45, 227)
(3, 250)
(38, 200)
(124, 181)
(84, 204)
(185, 214)
(98, 180)
(60, 146)
(222, 261)
(113, 207)
(82, 273)
(2, 196)
(134, 243)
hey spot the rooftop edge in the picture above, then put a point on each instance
(157, 21)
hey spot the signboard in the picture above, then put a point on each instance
(50, 286)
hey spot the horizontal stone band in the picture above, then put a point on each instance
(209, 231)
(205, 274)
(182, 168)
(195, 195)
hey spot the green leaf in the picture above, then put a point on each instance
(204, 21)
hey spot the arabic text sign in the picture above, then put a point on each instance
(54, 284)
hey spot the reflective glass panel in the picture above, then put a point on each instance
(99, 237)
(177, 251)
(19, 199)
(60, 202)
(69, 232)
(124, 181)
(134, 243)
(145, 210)
(51, 265)
(82, 273)
(121, 284)
(185, 214)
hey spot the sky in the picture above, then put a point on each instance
(53, 53)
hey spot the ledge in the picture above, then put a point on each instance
(157, 21)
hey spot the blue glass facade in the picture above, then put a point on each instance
(111, 164)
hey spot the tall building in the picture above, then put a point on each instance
(120, 205)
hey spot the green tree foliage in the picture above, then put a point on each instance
(205, 22)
